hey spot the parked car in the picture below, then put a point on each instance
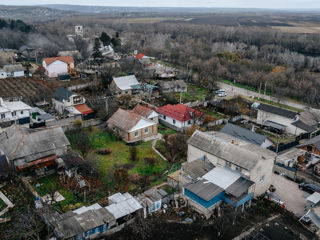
(221, 93)
(274, 198)
(309, 187)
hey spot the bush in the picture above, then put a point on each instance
(77, 123)
(104, 151)
(150, 161)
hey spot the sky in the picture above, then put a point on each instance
(273, 4)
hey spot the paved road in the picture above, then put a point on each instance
(294, 199)
(232, 91)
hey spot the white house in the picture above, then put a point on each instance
(125, 85)
(287, 121)
(14, 112)
(179, 117)
(65, 100)
(247, 159)
(16, 70)
(58, 65)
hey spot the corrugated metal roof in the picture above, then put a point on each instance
(276, 110)
(123, 204)
(239, 187)
(313, 141)
(222, 177)
(197, 168)
(275, 125)
(204, 189)
(126, 82)
(244, 134)
(314, 198)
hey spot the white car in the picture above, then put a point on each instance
(221, 93)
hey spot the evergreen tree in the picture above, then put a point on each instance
(105, 39)
(96, 52)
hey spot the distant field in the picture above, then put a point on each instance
(148, 19)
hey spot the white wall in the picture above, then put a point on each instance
(177, 123)
(267, 143)
(60, 106)
(55, 68)
(18, 74)
(17, 115)
(264, 116)
(263, 168)
(3, 75)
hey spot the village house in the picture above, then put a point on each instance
(12, 71)
(96, 221)
(178, 117)
(247, 135)
(14, 112)
(132, 127)
(286, 121)
(125, 85)
(65, 100)
(173, 86)
(247, 159)
(311, 146)
(7, 56)
(221, 184)
(146, 112)
(152, 200)
(33, 151)
(56, 66)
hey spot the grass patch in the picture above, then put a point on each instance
(50, 184)
(278, 104)
(2, 205)
(166, 131)
(120, 157)
(194, 93)
(211, 113)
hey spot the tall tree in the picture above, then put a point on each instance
(96, 52)
(105, 39)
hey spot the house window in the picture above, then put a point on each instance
(174, 121)
(3, 115)
(151, 119)
(14, 114)
(262, 179)
(164, 117)
(146, 130)
(136, 133)
(189, 122)
(21, 112)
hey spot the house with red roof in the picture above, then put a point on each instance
(131, 127)
(58, 65)
(179, 117)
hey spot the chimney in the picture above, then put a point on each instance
(232, 141)
(252, 128)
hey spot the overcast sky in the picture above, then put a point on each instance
(296, 4)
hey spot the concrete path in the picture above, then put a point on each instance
(294, 199)
(154, 142)
(233, 91)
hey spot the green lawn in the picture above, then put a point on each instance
(211, 113)
(166, 131)
(2, 205)
(120, 157)
(50, 184)
(194, 93)
(279, 104)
